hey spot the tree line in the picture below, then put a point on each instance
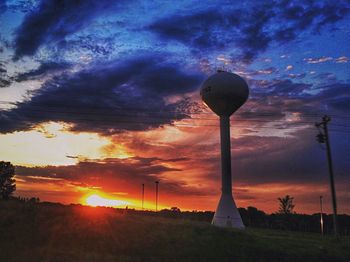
(284, 219)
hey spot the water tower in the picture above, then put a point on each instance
(224, 93)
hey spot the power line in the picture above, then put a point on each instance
(182, 117)
(71, 117)
(177, 116)
(126, 109)
(170, 122)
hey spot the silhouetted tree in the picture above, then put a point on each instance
(7, 182)
(255, 216)
(175, 209)
(286, 205)
(33, 200)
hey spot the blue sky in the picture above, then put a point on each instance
(89, 64)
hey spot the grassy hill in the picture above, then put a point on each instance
(43, 232)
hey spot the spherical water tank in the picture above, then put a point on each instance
(224, 92)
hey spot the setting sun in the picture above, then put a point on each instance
(96, 200)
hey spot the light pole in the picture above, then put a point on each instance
(143, 194)
(157, 183)
(321, 218)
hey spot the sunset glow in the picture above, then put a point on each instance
(100, 98)
(96, 200)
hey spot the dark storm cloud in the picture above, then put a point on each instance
(283, 95)
(301, 15)
(112, 174)
(213, 29)
(274, 98)
(252, 29)
(5, 80)
(195, 29)
(254, 38)
(108, 97)
(101, 46)
(136, 167)
(53, 20)
(2, 69)
(3, 6)
(43, 69)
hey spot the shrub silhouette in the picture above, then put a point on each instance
(286, 205)
(7, 182)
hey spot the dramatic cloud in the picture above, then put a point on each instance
(53, 20)
(196, 29)
(113, 175)
(107, 97)
(251, 30)
(44, 69)
(284, 95)
(3, 6)
(124, 76)
(258, 163)
(215, 29)
(5, 80)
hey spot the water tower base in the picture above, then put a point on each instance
(226, 214)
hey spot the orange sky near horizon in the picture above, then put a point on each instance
(98, 101)
(265, 197)
(184, 183)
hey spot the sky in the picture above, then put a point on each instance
(100, 97)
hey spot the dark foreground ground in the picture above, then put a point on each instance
(42, 232)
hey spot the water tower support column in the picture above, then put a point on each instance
(226, 180)
(226, 214)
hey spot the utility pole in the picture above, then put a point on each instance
(323, 137)
(143, 194)
(157, 183)
(321, 218)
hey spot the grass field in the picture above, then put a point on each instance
(39, 232)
